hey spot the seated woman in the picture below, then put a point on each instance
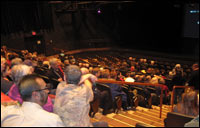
(17, 72)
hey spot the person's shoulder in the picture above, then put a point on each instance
(52, 115)
(9, 109)
(193, 123)
(61, 86)
(49, 118)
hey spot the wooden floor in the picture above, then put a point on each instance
(130, 118)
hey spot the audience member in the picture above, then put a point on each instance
(194, 78)
(188, 105)
(193, 123)
(30, 113)
(5, 83)
(130, 77)
(178, 80)
(55, 71)
(116, 89)
(103, 95)
(17, 72)
(16, 61)
(72, 102)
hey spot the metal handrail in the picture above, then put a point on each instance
(172, 97)
(136, 83)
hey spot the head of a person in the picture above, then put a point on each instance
(154, 80)
(195, 67)
(16, 61)
(30, 63)
(54, 63)
(148, 78)
(132, 68)
(161, 80)
(113, 74)
(18, 71)
(177, 66)
(96, 71)
(152, 62)
(3, 64)
(4, 47)
(32, 88)
(46, 64)
(141, 60)
(87, 65)
(189, 100)
(145, 60)
(72, 74)
(105, 74)
(66, 62)
(90, 69)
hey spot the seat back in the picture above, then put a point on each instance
(94, 106)
(117, 103)
(176, 119)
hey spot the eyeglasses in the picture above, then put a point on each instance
(47, 88)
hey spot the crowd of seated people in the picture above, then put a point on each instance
(16, 65)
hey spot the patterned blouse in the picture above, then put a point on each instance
(72, 104)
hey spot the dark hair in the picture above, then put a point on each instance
(73, 74)
(113, 74)
(27, 85)
(95, 70)
(105, 74)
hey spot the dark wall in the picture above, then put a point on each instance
(148, 25)
(25, 16)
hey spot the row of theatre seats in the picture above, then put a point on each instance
(146, 101)
(172, 119)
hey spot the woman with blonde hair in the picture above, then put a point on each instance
(188, 105)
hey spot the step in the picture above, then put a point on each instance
(125, 119)
(114, 122)
(145, 119)
(146, 110)
(142, 114)
(158, 109)
(158, 112)
(133, 119)
(164, 107)
(155, 114)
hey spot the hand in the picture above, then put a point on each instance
(93, 78)
(60, 79)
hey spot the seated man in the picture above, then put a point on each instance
(73, 97)
(116, 90)
(103, 96)
(30, 113)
